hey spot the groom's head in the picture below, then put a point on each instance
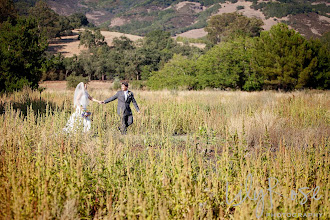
(124, 86)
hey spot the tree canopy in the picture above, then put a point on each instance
(231, 25)
(21, 52)
(277, 59)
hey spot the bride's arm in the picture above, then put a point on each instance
(94, 100)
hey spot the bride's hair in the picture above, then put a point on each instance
(85, 84)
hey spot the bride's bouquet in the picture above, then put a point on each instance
(85, 114)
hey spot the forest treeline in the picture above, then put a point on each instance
(25, 30)
(246, 58)
(238, 54)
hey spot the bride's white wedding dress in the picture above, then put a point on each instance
(77, 120)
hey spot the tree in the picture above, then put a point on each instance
(72, 66)
(135, 61)
(325, 40)
(318, 75)
(227, 65)
(53, 68)
(48, 20)
(157, 48)
(7, 10)
(284, 58)
(122, 43)
(159, 40)
(104, 63)
(230, 25)
(65, 25)
(22, 54)
(90, 39)
(77, 20)
(179, 72)
(87, 62)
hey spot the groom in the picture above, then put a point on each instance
(125, 97)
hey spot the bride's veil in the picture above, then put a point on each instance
(79, 96)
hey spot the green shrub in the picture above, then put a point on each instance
(116, 84)
(137, 84)
(72, 81)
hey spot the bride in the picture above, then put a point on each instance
(81, 116)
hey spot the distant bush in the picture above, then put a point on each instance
(137, 84)
(116, 84)
(72, 81)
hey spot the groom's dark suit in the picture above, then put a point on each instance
(123, 108)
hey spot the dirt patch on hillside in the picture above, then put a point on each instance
(69, 45)
(321, 2)
(198, 45)
(193, 6)
(64, 7)
(117, 22)
(109, 36)
(195, 33)
(310, 24)
(249, 12)
(98, 17)
(232, 7)
(323, 18)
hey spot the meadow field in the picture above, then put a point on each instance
(188, 155)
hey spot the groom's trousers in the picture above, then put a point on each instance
(126, 120)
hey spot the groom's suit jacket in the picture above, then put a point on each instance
(123, 107)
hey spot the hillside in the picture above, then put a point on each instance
(310, 18)
(69, 45)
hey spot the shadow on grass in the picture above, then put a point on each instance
(39, 106)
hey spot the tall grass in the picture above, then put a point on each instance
(180, 157)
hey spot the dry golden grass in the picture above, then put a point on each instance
(174, 163)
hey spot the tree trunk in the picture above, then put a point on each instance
(137, 75)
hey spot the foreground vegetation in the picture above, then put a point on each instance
(174, 163)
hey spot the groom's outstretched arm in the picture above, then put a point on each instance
(135, 103)
(111, 98)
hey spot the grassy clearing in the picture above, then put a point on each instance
(174, 163)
